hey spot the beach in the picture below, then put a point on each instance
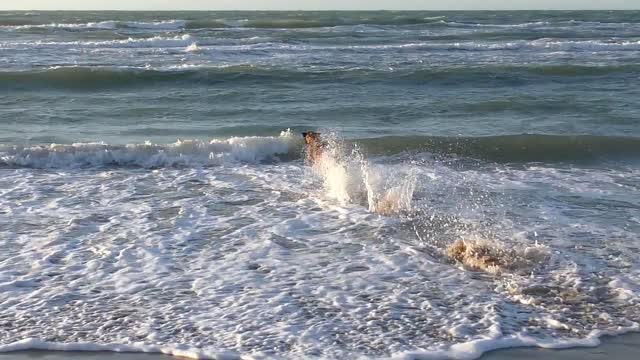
(473, 184)
(624, 347)
(621, 347)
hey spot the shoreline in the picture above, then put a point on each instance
(620, 347)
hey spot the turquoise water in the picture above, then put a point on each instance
(152, 198)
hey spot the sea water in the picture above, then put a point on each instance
(480, 188)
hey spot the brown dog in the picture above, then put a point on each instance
(315, 145)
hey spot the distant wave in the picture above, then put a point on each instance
(156, 25)
(546, 43)
(267, 23)
(549, 44)
(108, 24)
(96, 78)
(297, 23)
(481, 25)
(146, 42)
(472, 349)
(332, 22)
(288, 146)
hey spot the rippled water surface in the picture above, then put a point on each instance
(479, 188)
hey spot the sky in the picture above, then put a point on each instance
(314, 4)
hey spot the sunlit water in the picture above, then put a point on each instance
(152, 198)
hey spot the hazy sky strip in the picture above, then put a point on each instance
(314, 4)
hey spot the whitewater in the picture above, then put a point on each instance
(478, 189)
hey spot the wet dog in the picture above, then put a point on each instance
(492, 257)
(481, 255)
(315, 146)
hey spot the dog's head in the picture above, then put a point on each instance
(311, 137)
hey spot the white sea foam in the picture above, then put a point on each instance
(256, 259)
(470, 350)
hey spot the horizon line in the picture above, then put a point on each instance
(318, 10)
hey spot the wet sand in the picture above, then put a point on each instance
(624, 347)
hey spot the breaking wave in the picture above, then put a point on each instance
(288, 146)
(251, 149)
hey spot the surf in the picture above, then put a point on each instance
(182, 153)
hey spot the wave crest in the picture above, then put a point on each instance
(256, 149)
(104, 25)
(301, 22)
(251, 149)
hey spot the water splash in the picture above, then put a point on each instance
(481, 254)
(193, 47)
(351, 178)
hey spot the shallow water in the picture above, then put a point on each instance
(152, 199)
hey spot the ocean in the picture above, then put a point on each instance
(479, 187)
